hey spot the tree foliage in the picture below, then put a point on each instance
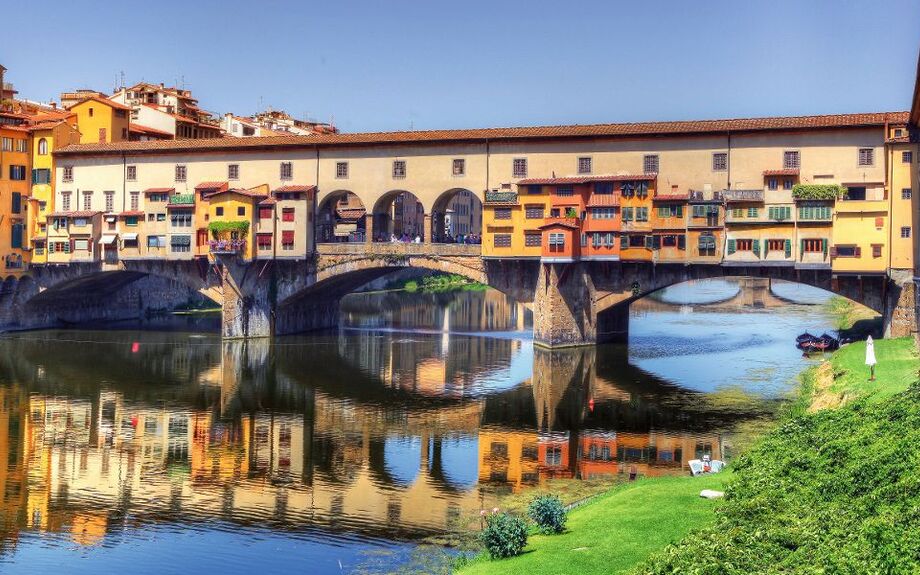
(220, 226)
(818, 191)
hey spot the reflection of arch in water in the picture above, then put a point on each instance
(398, 213)
(454, 462)
(340, 217)
(456, 212)
(394, 461)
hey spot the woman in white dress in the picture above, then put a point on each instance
(870, 357)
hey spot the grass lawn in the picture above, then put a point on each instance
(897, 368)
(614, 532)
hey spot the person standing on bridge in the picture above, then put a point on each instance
(870, 357)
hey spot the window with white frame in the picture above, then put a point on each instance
(87, 200)
(109, 201)
(65, 201)
(67, 174)
(135, 201)
(131, 173)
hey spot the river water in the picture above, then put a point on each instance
(164, 450)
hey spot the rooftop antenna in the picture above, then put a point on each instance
(260, 104)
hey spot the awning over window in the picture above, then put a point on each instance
(180, 240)
(287, 236)
(129, 237)
(107, 239)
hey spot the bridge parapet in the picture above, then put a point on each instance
(399, 249)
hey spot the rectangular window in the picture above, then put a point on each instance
(180, 244)
(287, 240)
(556, 242)
(584, 165)
(752, 212)
(791, 160)
(266, 213)
(628, 214)
(179, 219)
(787, 183)
(341, 170)
(129, 221)
(135, 201)
(905, 231)
(907, 157)
(866, 156)
(22, 146)
(533, 212)
(533, 190)
(399, 169)
(772, 183)
(641, 214)
(233, 171)
(65, 201)
(502, 213)
(264, 241)
(719, 161)
(87, 200)
(905, 194)
(847, 252)
(776, 245)
(67, 174)
(603, 213)
(565, 191)
(812, 246)
(603, 188)
(241, 210)
(286, 171)
(287, 214)
(856, 193)
(519, 167)
(532, 239)
(7, 144)
(39, 175)
(744, 245)
(181, 173)
(458, 167)
(650, 164)
(18, 173)
(131, 173)
(219, 211)
(502, 240)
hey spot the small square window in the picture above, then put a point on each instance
(907, 157)
(584, 165)
(287, 170)
(458, 167)
(131, 173)
(68, 174)
(519, 168)
(905, 231)
(219, 211)
(233, 171)
(719, 161)
(791, 160)
(866, 157)
(241, 211)
(181, 173)
(341, 170)
(906, 194)
(650, 164)
(399, 169)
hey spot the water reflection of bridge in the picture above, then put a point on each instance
(263, 435)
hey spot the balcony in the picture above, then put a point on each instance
(496, 197)
(742, 195)
(562, 220)
(219, 247)
(182, 200)
(704, 196)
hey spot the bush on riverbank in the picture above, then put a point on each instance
(548, 512)
(835, 489)
(504, 535)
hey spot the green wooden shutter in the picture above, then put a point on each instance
(681, 242)
(824, 247)
(624, 242)
(755, 247)
(649, 243)
(16, 239)
(731, 247)
(801, 249)
(680, 211)
(788, 248)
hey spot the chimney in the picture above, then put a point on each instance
(54, 105)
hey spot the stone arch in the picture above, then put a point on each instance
(340, 217)
(400, 213)
(457, 211)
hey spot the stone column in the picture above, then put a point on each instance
(369, 228)
(564, 312)
(427, 230)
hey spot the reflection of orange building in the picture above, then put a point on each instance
(554, 456)
(650, 454)
(509, 458)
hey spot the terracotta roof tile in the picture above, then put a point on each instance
(105, 101)
(668, 196)
(131, 213)
(576, 180)
(268, 202)
(77, 214)
(482, 134)
(240, 191)
(216, 186)
(784, 172)
(141, 129)
(159, 190)
(296, 188)
(350, 213)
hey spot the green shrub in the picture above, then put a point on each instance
(220, 226)
(505, 535)
(818, 191)
(548, 512)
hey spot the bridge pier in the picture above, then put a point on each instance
(248, 309)
(900, 314)
(613, 324)
(564, 313)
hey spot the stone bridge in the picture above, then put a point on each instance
(574, 304)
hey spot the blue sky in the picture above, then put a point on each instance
(394, 65)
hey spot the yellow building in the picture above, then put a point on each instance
(231, 220)
(902, 189)
(15, 163)
(49, 131)
(101, 120)
(512, 221)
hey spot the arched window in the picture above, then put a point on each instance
(43, 147)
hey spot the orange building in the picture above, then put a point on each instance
(636, 238)
(669, 222)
